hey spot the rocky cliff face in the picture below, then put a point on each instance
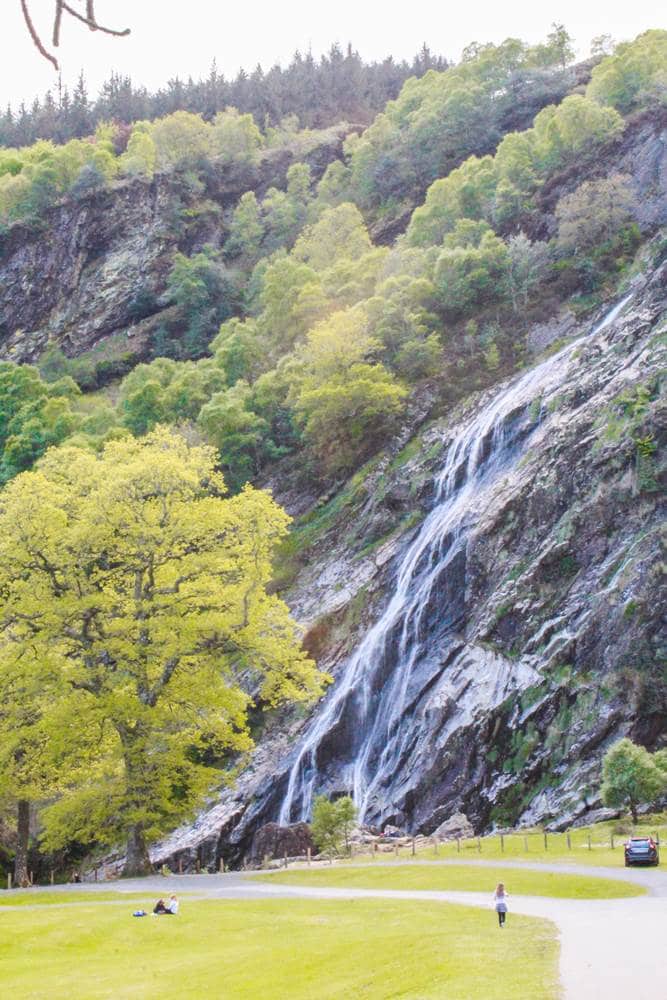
(94, 272)
(486, 593)
(485, 657)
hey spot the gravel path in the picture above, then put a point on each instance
(611, 949)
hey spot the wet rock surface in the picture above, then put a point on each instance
(542, 636)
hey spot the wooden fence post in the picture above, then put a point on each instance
(9, 880)
(222, 866)
(180, 866)
(546, 848)
(525, 844)
(285, 858)
(308, 853)
(413, 847)
(198, 866)
(502, 843)
(479, 845)
(96, 874)
(53, 877)
(612, 841)
(569, 842)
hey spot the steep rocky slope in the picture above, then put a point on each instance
(486, 593)
(527, 634)
(94, 271)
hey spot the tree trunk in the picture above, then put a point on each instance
(137, 861)
(21, 877)
(633, 811)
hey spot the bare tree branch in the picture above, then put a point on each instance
(35, 37)
(90, 19)
(57, 20)
(61, 6)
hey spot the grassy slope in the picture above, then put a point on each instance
(514, 846)
(296, 950)
(461, 877)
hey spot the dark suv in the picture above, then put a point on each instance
(641, 851)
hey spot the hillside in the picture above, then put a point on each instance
(439, 342)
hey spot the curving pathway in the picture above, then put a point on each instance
(611, 949)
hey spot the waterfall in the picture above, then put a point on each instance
(398, 658)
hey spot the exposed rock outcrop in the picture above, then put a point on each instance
(275, 841)
(457, 825)
(97, 266)
(543, 634)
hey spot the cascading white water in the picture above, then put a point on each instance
(395, 660)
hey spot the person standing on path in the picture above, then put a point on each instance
(500, 902)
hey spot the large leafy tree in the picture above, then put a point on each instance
(35, 738)
(348, 414)
(631, 776)
(140, 594)
(22, 777)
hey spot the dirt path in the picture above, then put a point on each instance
(611, 949)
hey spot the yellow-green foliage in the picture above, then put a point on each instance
(635, 74)
(33, 177)
(135, 601)
(498, 188)
(440, 119)
(344, 402)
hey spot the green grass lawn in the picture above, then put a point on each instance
(278, 949)
(38, 897)
(459, 877)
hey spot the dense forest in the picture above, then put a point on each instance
(339, 86)
(301, 337)
(325, 335)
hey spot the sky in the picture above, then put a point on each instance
(182, 39)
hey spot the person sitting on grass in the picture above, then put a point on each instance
(500, 903)
(166, 908)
